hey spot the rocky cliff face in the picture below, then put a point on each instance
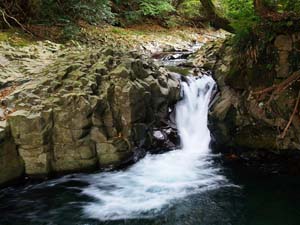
(257, 107)
(86, 110)
(11, 165)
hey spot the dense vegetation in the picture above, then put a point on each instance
(235, 16)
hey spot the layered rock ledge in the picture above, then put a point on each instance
(85, 110)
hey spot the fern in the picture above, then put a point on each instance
(190, 8)
(155, 7)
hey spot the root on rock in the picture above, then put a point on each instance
(291, 118)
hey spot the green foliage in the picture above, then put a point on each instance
(132, 16)
(155, 7)
(137, 10)
(92, 11)
(293, 5)
(15, 38)
(243, 18)
(190, 8)
(284, 5)
(66, 13)
(70, 32)
(251, 29)
(172, 22)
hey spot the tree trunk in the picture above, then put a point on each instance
(216, 20)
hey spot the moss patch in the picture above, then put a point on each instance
(15, 38)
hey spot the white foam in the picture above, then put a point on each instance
(157, 181)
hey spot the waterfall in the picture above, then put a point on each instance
(192, 112)
(157, 182)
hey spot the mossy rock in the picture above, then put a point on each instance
(253, 77)
(15, 38)
(256, 137)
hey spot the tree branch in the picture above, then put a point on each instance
(291, 118)
(5, 15)
(4, 18)
(280, 87)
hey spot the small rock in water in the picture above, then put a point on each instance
(197, 72)
(159, 135)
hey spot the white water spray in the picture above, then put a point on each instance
(159, 181)
(191, 115)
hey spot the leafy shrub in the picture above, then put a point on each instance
(190, 9)
(155, 7)
(55, 11)
(284, 5)
(243, 18)
(172, 21)
(69, 32)
(136, 10)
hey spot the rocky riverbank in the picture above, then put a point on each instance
(87, 110)
(77, 107)
(256, 116)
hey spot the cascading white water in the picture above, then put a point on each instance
(159, 181)
(191, 114)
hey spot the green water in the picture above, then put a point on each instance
(259, 200)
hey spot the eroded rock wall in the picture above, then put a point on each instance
(251, 111)
(87, 110)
